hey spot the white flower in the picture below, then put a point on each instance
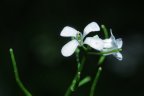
(95, 42)
(113, 44)
(69, 48)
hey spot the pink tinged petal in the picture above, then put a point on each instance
(68, 32)
(95, 43)
(69, 48)
(118, 55)
(119, 42)
(91, 27)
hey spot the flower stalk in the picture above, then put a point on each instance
(103, 53)
(105, 31)
(107, 46)
(98, 73)
(75, 82)
(93, 87)
(17, 78)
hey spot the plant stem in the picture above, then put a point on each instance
(108, 52)
(93, 87)
(94, 84)
(84, 81)
(20, 84)
(75, 83)
(105, 31)
(101, 60)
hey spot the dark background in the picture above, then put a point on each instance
(32, 29)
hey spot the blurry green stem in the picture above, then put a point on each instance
(27, 93)
(105, 31)
(75, 83)
(84, 81)
(94, 84)
(101, 60)
(102, 53)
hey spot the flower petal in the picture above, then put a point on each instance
(69, 48)
(118, 55)
(95, 43)
(91, 27)
(119, 42)
(116, 42)
(107, 50)
(112, 36)
(108, 43)
(68, 32)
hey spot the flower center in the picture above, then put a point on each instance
(79, 38)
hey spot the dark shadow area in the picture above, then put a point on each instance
(32, 29)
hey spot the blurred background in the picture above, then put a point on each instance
(32, 28)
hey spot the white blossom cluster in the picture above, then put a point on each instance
(95, 42)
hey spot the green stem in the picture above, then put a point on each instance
(93, 87)
(105, 31)
(84, 81)
(94, 84)
(101, 60)
(75, 83)
(102, 53)
(20, 84)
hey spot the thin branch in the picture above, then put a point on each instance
(20, 84)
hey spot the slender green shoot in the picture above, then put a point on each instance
(20, 84)
(93, 87)
(105, 31)
(75, 82)
(94, 84)
(103, 53)
(84, 81)
(101, 60)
